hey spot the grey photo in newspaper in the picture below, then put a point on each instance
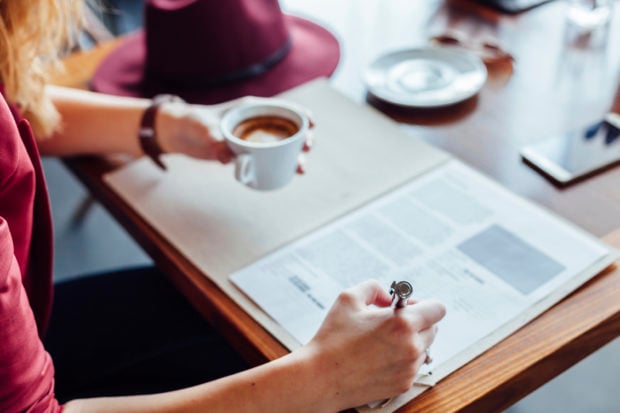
(512, 259)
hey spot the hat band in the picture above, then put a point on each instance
(251, 71)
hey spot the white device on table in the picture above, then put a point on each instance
(579, 153)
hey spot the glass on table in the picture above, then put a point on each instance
(589, 14)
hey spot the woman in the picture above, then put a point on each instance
(364, 350)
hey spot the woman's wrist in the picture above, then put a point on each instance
(324, 391)
(151, 128)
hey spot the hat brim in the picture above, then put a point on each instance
(314, 53)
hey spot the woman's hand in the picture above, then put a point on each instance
(366, 350)
(194, 130)
(191, 130)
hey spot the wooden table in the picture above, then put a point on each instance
(558, 82)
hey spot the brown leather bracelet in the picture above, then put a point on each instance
(147, 135)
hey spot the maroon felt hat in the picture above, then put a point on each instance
(210, 51)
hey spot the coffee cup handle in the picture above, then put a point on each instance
(244, 169)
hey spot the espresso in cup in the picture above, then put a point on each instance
(265, 129)
(267, 137)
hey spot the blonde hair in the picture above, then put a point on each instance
(33, 34)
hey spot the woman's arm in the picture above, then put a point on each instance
(360, 354)
(100, 124)
(278, 386)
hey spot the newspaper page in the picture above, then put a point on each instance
(456, 236)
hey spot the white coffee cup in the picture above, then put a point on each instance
(267, 138)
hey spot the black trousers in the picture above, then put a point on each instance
(131, 332)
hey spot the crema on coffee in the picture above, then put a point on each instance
(265, 129)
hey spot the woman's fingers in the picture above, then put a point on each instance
(301, 163)
(424, 314)
(424, 340)
(309, 142)
(371, 292)
(223, 152)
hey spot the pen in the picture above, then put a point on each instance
(400, 292)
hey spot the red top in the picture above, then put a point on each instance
(26, 370)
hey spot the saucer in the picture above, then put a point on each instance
(426, 77)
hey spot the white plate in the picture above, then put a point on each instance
(426, 77)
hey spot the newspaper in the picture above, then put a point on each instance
(494, 260)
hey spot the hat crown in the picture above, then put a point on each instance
(209, 40)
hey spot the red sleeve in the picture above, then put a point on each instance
(26, 370)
